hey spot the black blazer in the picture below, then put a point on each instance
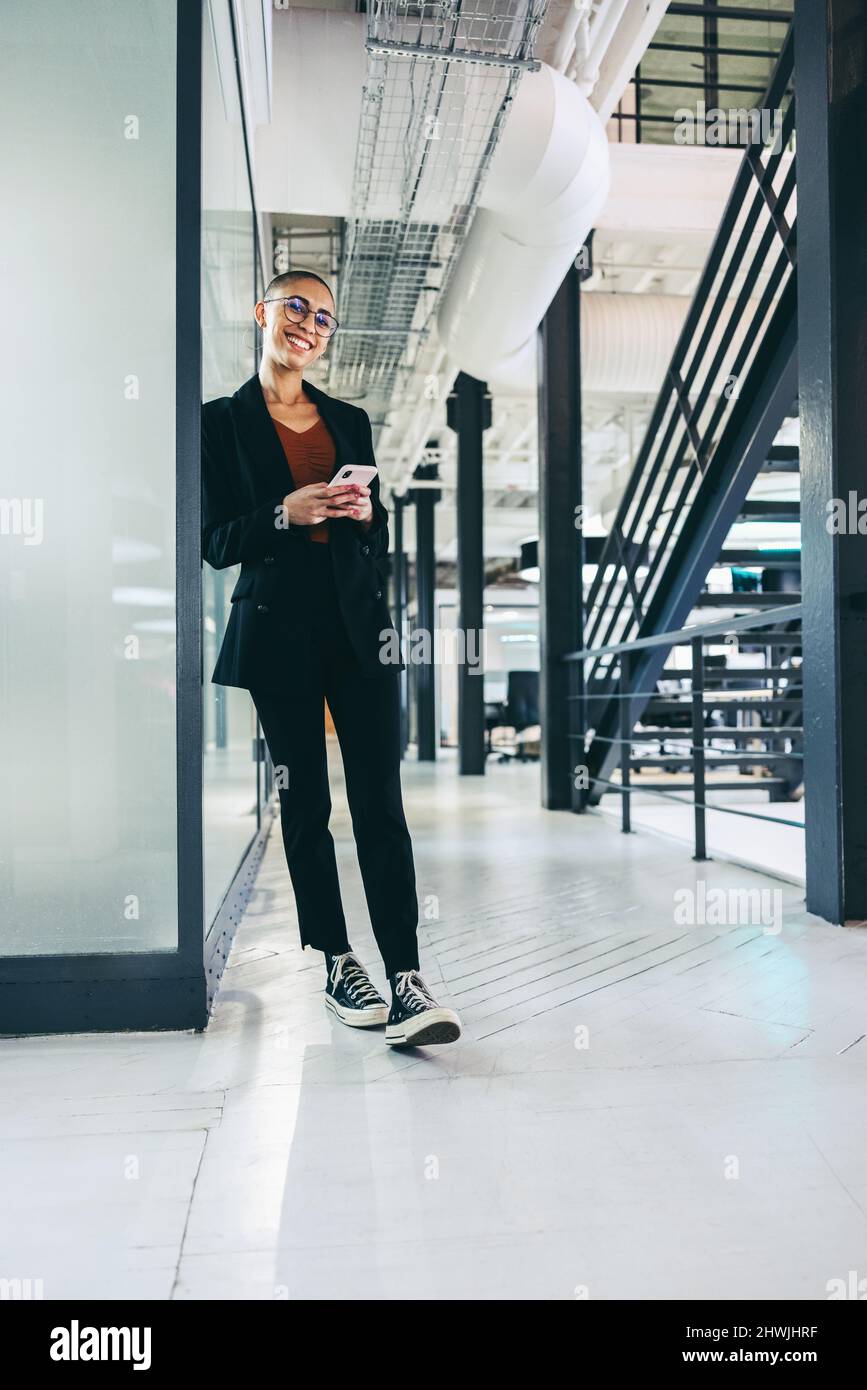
(245, 477)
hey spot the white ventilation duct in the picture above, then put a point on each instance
(627, 340)
(548, 179)
(626, 345)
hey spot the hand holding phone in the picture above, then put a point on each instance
(347, 495)
(355, 501)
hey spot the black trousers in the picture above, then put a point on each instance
(366, 718)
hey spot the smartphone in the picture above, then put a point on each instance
(354, 473)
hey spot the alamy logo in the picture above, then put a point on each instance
(729, 907)
(21, 1290)
(847, 516)
(853, 1286)
(441, 646)
(739, 125)
(23, 516)
(77, 1343)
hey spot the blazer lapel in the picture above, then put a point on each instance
(260, 437)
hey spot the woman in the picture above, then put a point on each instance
(308, 624)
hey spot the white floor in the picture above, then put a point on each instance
(638, 1108)
(777, 849)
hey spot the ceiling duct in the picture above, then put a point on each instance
(547, 182)
(440, 81)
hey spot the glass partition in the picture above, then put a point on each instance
(88, 812)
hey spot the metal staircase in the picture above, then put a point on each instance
(731, 383)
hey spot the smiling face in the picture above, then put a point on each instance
(293, 345)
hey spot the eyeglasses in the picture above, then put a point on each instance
(296, 310)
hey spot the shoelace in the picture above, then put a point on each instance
(411, 987)
(355, 978)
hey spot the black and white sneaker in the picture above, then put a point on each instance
(416, 1018)
(350, 994)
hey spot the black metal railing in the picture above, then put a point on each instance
(731, 380)
(696, 736)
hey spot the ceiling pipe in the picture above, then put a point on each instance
(602, 30)
(573, 39)
(627, 341)
(548, 179)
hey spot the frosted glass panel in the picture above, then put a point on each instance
(87, 415)
(228, 296)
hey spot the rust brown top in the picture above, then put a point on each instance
(311, 457)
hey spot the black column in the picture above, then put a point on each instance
(399, 604)
(560, 545)
(469, 415)
(425, 500)
(832, 347)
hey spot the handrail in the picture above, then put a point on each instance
(692, 743)
(721, 626)
(703, 806)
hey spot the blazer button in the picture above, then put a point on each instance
(378, 594)
(262, 608)
(365, 550)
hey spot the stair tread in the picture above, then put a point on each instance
(761, 731)
(749, 600)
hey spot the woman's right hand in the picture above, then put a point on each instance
(308, 506)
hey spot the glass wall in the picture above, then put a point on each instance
(87, 492)
(229, 291)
